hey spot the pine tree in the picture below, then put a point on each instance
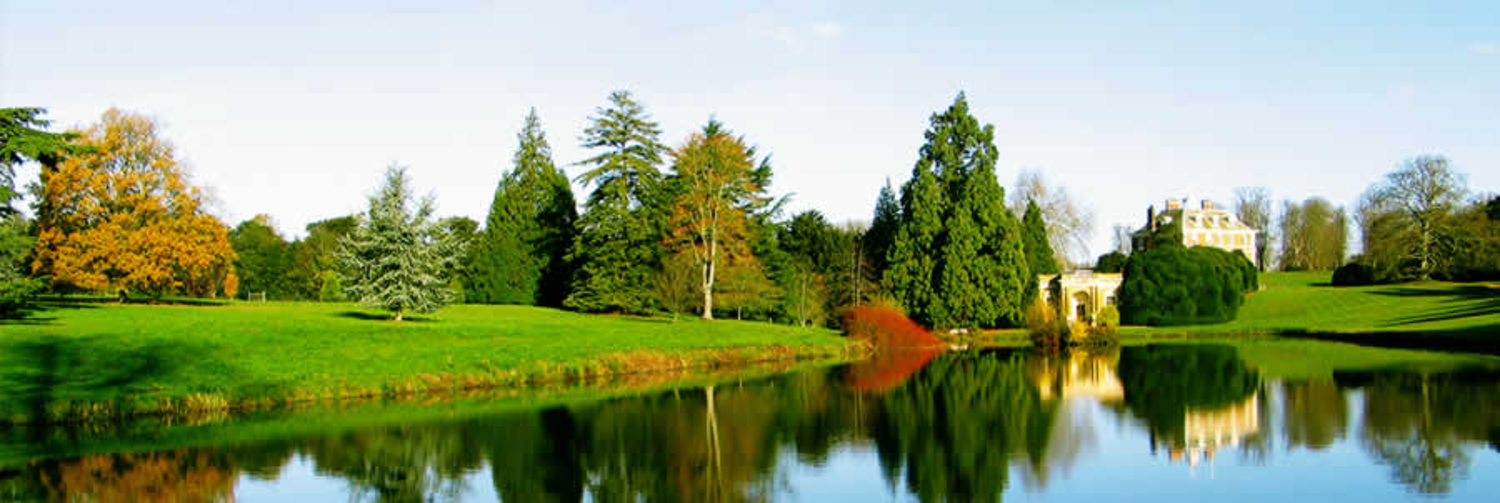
(882, 233)
(1038, 248)
(618, 245)
(398, 258)
(521, 257)
(957, 260)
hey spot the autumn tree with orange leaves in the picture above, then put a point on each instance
(121, 217)
(719, 185)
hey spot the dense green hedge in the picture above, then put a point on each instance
(1172, 285)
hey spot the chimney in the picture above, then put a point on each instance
(1151, 218)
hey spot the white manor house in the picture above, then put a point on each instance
(1082, 294)
(1207, 225)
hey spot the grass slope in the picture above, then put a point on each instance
(80, 361)
(1429, 314)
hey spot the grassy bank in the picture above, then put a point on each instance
(23, 444)
(1431, 315)
(82, 361)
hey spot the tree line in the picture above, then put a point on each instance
(1420, 221)
(688, 228)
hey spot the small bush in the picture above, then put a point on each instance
(1045, 328)
(886, 327)
(1108, 321)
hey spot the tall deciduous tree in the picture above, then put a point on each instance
(1039, 254)
(1313, 235)
(264, 258)
(718, 190)
(618, 243)
(1425, 190)
(521, 257)
(314, 262)
(1070, 223)
(1252, 206)
(120, 215)
(958, 260)
(398, 258)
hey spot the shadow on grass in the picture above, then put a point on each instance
(42, 374)
(1471, 300)
(34, 313)
(368, 316)
(1483, 339)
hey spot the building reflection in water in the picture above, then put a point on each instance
(1207, 431)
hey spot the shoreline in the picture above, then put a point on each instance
(680, 365)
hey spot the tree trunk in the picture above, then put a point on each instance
(398, 315)
(708, 282)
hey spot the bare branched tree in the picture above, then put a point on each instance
(1252, 205)
(1070, 224)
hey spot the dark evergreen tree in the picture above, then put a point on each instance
(958, 260)
(1034, 239)
(883, 229)
(618, 246)
(1112, 262)
(521, 256)
(911, 262)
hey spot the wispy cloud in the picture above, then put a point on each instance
(1485, 48)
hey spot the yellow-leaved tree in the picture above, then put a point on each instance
(719, 187)
(121, 217)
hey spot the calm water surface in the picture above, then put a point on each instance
(1163, 422)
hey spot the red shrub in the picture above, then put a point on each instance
(886, 327)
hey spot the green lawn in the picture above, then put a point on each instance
(1425, 314)
(80, 360)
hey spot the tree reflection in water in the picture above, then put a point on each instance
(947, 428)
(1422, 425)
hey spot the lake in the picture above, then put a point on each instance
(1164, 422)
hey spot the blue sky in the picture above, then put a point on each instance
(294, 108)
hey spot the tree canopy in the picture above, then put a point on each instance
(263, 259)
(719, 186)
(121, 216)
(521, 256)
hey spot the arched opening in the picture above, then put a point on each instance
(1082, 308)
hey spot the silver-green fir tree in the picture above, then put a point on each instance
(398, 258)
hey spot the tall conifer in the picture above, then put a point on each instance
(882, 233)
(1038, 248)
(618, 246)
(958, 260)
(520, 258)
(398, 258)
